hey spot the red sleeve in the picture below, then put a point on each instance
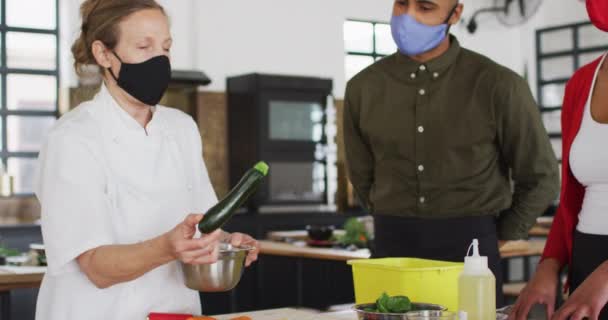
(556, 246)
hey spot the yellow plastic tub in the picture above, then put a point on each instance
(421, 280)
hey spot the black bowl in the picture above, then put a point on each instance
(320, 233)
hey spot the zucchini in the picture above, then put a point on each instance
(223, 210)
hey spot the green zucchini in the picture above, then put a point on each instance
(223, 210)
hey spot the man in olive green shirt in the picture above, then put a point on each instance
(433, 136)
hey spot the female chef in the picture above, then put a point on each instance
(120, 178)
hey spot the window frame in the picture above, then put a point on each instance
(574, 53)
(5, 71)
(374, 53)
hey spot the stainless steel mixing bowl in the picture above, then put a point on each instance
(221, 276)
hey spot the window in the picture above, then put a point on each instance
(559, 52)
(365, 42)
(29, 84)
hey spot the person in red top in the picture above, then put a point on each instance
(579, 234)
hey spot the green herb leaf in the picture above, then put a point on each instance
(399, 304)
(388, 304)
(355, 233)
(382, 303)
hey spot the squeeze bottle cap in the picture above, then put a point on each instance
(475, 263)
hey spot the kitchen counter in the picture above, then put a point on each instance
(528, 248)
(290, 250)
(17, 278)
(292, 244)
(539, 231)
(20, 277)
(510, 250)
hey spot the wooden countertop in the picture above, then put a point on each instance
(19, 278)
(533, 248)
(275, 248)
(281, 243)
(510, 250)
(539, 231)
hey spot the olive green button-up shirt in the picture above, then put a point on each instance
(445, 139)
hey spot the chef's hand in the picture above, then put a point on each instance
(542, 289)
(237, 239)
(589, 299)
(182, 245)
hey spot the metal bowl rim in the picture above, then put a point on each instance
(357, 309)
(233, 249)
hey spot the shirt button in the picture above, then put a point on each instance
(421, 129)
(422, 199)
(189, 187)
(413, 76)
(435, 75)
(422, 92)
(420, 168)
(422, 68)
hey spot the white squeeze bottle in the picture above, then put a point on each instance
(477, 287)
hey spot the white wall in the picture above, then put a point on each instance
(182, 17)
(552, 13)
(225, 38)
(283, 37)
(515, 47)
(68, 25)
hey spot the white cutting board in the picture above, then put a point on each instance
(341, 315)
(282, 314)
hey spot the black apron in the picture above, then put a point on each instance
(588, 253)
(438, 239)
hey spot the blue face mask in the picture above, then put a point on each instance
(413, 38)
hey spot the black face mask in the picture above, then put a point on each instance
(146, 81)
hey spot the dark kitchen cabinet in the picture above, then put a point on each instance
(310, 283)
(278, 282)
(281, 120)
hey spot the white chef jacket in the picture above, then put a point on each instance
(102, 181)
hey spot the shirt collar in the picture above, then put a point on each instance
(436, 66)
(121, 123)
